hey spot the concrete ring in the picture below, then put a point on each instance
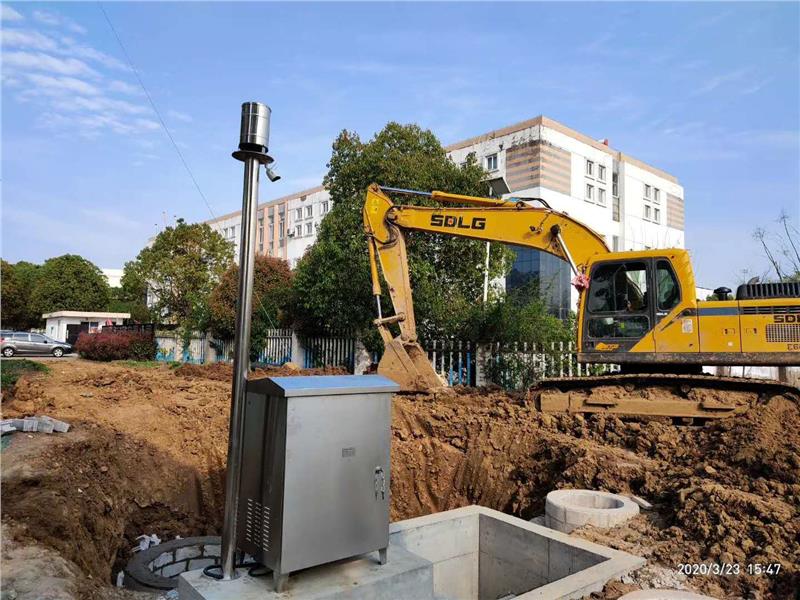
(566, 510)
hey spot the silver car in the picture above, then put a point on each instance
(20, 342)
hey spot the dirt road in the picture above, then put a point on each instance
(147, 450)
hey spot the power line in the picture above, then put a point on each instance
(155, 110)
(169, 135)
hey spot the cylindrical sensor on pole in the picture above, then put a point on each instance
(254, 132)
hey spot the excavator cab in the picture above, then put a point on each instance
(627, 300)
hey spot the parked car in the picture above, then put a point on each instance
(22, 342)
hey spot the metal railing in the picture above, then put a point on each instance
(338, 351)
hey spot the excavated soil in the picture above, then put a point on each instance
(146, 454)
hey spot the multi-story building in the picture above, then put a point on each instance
(634, 205)
(286, 227)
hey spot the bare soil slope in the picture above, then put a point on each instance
(147, 451)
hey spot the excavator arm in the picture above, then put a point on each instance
(496, 220)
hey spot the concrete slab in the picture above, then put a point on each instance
(406, 575)
(469, 553)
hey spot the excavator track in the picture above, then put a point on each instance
(658, 394)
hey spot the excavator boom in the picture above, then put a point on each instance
(512, 222)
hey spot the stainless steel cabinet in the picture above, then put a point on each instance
(315, 471)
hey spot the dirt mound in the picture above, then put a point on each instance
(224, 371)
(725, 492)
(146, 454)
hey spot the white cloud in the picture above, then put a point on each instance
(68, 82)
(103, 104)
(712, 83)
(9, 14)
(78, 50)
(47, 84)
(180, 116)
(52, 19)
(32, 40)
(124, 88)
(44, 62)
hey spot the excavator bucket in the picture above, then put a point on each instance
(407, 364)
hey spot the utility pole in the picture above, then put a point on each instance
(253, 147)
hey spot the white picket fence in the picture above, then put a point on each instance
(459, 362)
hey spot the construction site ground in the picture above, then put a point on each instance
(146, 455)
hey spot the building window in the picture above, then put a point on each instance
(233, 231)
(647, 212)
(590, 168)
(615, 185)
(309, 211)
(325, 207)
(615, 243)
(491, 162)
(647, 191)
(280, 230)
(309, 228)
(298, 230)
(589, 192)
(271, 232)
(601, 172)
(656, 196)
(615, 208)
(601, 196)
(298, 214)
(657, 215)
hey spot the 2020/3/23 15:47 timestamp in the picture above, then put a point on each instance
(729, 569)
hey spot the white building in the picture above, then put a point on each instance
(66, 325)
(634, 205)
(113, 276)
(306, 211)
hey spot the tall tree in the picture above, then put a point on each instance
(69, 282)
(178, 272)
(272, 282)
(332, 284)
(18, 283)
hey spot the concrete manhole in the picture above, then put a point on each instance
(158, 567)
(470, 553)
(566, 510)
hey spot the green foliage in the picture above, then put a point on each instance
(12, 370)
(272, 281)
(18, 283)
(519, 316)
(69, 282)
(332, 289)
(180, 268)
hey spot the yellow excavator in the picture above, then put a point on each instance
(637, 309)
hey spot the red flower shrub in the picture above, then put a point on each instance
(119, 345)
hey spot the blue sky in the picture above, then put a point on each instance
(708, 92)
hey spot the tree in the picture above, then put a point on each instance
(18, 282)
(69, 282)
(781, 248)
(272, 282)
(332, 289)
(178, 271)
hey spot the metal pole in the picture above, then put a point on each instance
(241, 365)
(253, 142)
(486, 274)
